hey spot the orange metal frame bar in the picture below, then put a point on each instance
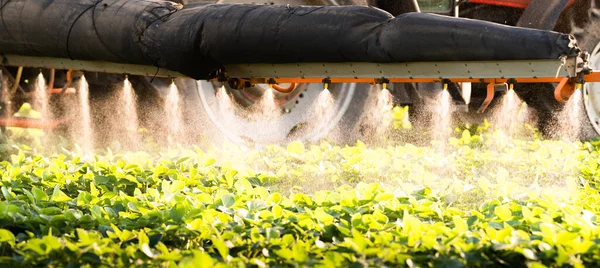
(488, 99)
(507, 3)
(564, 89)
(31, 123)
(594, 77)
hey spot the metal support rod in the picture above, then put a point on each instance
(456, 8)
(9, 78)
(68, 83)
(488, 99)
(17, 80)
(51, 79)
(416, 5)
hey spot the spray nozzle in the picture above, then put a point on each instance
(511, 83)
(445, 83)
(580, 81)
(221, 77)
(271, 82)
(127, 76)
(326, 82)
(384, 82)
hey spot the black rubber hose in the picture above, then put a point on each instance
(197, 40)
(83, 29)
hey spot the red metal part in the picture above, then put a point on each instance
(564, 90)
(592, 77)
(31, 123)
(507, 3)
(488, 99)
(285, 89)
(56, 91)
(53, 91)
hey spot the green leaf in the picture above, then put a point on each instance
(255, 205)
(6, 193)
(296, 148)
(133, 206)
(39, 194)
(96, 212)
(503, 212)
(275, 198)
(177, 186)
(93, 190)
(460, 225)
(527, 214)
(529, 254)
(91, 258)
(228, 200)
(143, 238)
(177, 212)
(146, 249)
(277, 211)
(7, 237)
(221, 247)
(58, 195)
(209, 162)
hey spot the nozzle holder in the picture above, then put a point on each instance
(445, 83)
(326, 82)
(580, 79)
(511, 83)
(221, 77)
(384, 82)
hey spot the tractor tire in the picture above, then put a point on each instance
(588, 36)
(582, 20)
(203, 121)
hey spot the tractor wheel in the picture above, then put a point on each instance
(293, 118)
(588, 37)
(541, 96)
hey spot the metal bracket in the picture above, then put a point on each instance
(88, 66)
(410, 70)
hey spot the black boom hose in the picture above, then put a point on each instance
(197, 40)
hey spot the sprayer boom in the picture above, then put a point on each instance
(360, 72)
(567, 72)
(527, 71)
